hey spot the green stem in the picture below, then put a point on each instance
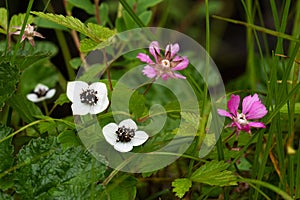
(282, 193)
(46, 108)
(132, 14)
(7, 29)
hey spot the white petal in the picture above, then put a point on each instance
(39, 87)
(109, 133)
(139, 138)
(123, 146)
(128, 123)
(33, 97)
(50, 94)
(100, 88)
(80, 108)
(99, 107)
(74, 89)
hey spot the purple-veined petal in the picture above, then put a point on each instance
(74, 89)
(257, 111)
(257, 124)
(123, 146)
(31, 41)
(172, 48)
(128, 123)
(247, 103)
(144, 58)
(233, 104)
(224, 113)
(80, 108)
(149, 71)
(23, 37)
(154, 49)
(182, 65)
(109, 133)
(139, 138)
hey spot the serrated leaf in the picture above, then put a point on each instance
(181, 186)
(93, 31)
(191, 118)
(214, 173)
(9, 77)
(27, 110)
(6, 149)
(50, 172)
(68, 139)
(62, 99)
(87, 45)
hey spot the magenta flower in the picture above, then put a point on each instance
(252, 109)
(164, 66)
(29, 33)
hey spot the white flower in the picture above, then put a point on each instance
(40, 93)
(124, 136)
(87, 98)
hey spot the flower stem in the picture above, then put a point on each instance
(96, 2)
(45, 108)
(107, 70)
(148, 87)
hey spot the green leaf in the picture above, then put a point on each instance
(214, 173)
(123, 188)
(50, 172)
(181, 186)
(93, 31)
(191, 118)
(137, 105)
(6, 149)
(9, 77)
(68, 139)
(17, 20)
(3, 20)
(284, 109)
(75, 62)
(87, 6)
(4, 196)
(143, 5)
(27, 110)
(41, 72)
(44, 23)
(62, 99)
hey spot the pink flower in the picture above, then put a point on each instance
(164, 66)
(252, 109)
(29, 33)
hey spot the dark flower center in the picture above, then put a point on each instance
(124, 134)
(89, 97)
(41, 93)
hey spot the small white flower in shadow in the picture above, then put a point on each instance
(41, 92)
(124, 136)
(87, 98)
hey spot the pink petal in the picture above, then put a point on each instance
(257, 111)
(257, 124)
(182, 65)
(154, 50)
(37, 34)
(224, 113)
(247, 103)
(145, 58)
(179, 76)
(233, 104)
(23, 37)
(165, 77)
(172, 48)
(149, 71)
